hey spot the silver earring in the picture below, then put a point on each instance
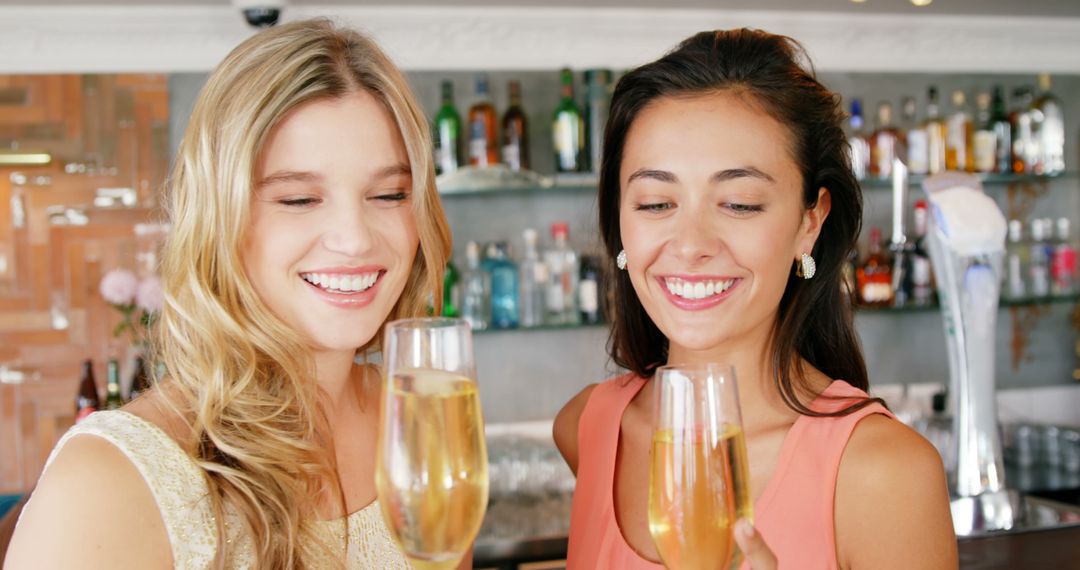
(807, 267)
(620, 260)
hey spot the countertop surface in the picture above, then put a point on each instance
(522, 527)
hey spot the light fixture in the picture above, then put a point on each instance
(858, 1)
(921, 3)
(24, 157)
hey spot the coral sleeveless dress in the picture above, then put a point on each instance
(794, 513)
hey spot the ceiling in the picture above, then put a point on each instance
(1046, 8)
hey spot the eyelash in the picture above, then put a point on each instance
(738, 209)
(657, 207)
(744, 209)
(395, 197)
(304, 202)
(296, 202)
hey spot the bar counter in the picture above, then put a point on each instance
(521, 529)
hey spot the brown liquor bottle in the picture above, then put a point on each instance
(886, 143)
(874, 276)
(87, 400)
(515, 132)
(140, 382)
(482, 124)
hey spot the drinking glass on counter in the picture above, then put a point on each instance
(432, 469)
(698, 485)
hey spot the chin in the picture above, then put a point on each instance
(350, 342)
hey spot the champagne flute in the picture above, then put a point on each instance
(698, 484)
(432, 470)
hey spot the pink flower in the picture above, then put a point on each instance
(118, 286)
(148, 297)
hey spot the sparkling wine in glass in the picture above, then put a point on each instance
(698, 484)
(432, 469)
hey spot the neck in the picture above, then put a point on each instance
(337, 375)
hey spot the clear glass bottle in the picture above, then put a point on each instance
(1039, 258)
(858, 141)
(1063, 264)
(1048, 126)
(504, 287)
(960, 132)
(534, 278)
(476, 290)
(1016, 262)
(915, 137)
(935, 133)
(999, 118)
(1025, 147)
(984, 145)
(589, 290)
(562, 264)
(597, 103)
(922, 273)
(938, 429)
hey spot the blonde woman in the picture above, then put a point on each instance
(304, 216)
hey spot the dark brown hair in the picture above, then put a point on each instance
(814, 319)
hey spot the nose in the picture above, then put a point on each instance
(348, 231)
(696, 238)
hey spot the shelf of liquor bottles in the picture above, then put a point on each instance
(988, 180)
(1005, 302)
(498, 181)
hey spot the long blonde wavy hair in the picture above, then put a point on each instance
(240, 377)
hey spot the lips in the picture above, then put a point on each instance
(695, 293)
(345, 287)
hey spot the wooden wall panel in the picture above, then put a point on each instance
(104, 131)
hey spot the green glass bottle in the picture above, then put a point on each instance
(447, 133)
(451, 305)
(568, 129)
(113, 399)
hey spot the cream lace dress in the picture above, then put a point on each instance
(180, 490)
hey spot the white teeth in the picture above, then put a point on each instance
(698, 289)
(341, 283)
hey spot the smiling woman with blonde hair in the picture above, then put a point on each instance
(303, 217)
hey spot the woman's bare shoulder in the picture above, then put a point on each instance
(565, 428)
(88, 499)
(892, 483)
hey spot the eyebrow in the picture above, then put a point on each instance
(719, 176)
(399, 169)
(284, 176)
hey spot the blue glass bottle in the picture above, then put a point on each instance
(504, 287)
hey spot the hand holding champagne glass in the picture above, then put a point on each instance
(432, 472)
(698, 485)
